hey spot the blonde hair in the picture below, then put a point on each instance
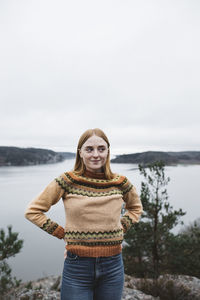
(79, 167)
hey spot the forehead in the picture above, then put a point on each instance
(95, 141)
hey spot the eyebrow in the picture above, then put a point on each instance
(92, 146)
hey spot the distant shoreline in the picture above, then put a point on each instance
(15, 156)
(168, 158)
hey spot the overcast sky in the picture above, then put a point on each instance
(131, 68)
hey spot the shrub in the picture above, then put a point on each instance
(9, 246)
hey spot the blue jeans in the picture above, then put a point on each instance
(92, 278)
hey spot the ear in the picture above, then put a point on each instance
(80, 153)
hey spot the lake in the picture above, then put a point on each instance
(42, 254)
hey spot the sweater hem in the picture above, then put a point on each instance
(95, 251)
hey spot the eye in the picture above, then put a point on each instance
(101, 149)
(88, 149)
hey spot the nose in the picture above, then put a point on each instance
(95, 152)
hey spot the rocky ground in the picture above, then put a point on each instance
(185, 287)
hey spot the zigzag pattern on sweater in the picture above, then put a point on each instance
(110, 243)
(49, 226)
(95, 183)
(81, 178)
(127, 188)
(120, 182)
(85, 192)
(86, 188)
(94, 235)
(126, 222)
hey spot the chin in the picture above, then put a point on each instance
(100, 169)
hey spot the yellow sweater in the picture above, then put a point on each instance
(93, 207)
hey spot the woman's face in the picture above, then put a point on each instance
(94, 153)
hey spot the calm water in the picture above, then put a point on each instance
(42, 254)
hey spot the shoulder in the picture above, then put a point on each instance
(120, 178)
(69, 177)
(124, 183)
(63, 180)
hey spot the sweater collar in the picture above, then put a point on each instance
(94, 175)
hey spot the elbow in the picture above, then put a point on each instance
(140, 213)
(27, 215)
(141, 209)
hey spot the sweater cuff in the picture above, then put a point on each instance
(126, 223)
(53, 228)
(59, 232)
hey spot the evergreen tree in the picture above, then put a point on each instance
(149, 239)
(9, 246)
(184, 251)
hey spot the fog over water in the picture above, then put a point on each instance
(42, 254)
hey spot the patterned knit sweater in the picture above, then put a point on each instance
(93, 207)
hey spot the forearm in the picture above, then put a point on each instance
(35, 212)
(133, 208)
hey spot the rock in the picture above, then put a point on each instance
(187, 285)
(57, 284)
(131, 282)
(48, 288)
(25, 294)
(132, 294)
(180, 287)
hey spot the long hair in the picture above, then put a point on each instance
(79, 167)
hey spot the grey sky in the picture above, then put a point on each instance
(131, 68)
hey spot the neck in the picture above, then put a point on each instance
(91, 174)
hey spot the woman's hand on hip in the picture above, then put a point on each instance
(65, 253)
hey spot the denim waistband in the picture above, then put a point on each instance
(100, 258)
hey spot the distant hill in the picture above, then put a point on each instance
(169, 158)
(14, 156)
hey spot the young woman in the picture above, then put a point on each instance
(93, 233)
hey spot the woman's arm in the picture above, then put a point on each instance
(133, 206)
(35, 212)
